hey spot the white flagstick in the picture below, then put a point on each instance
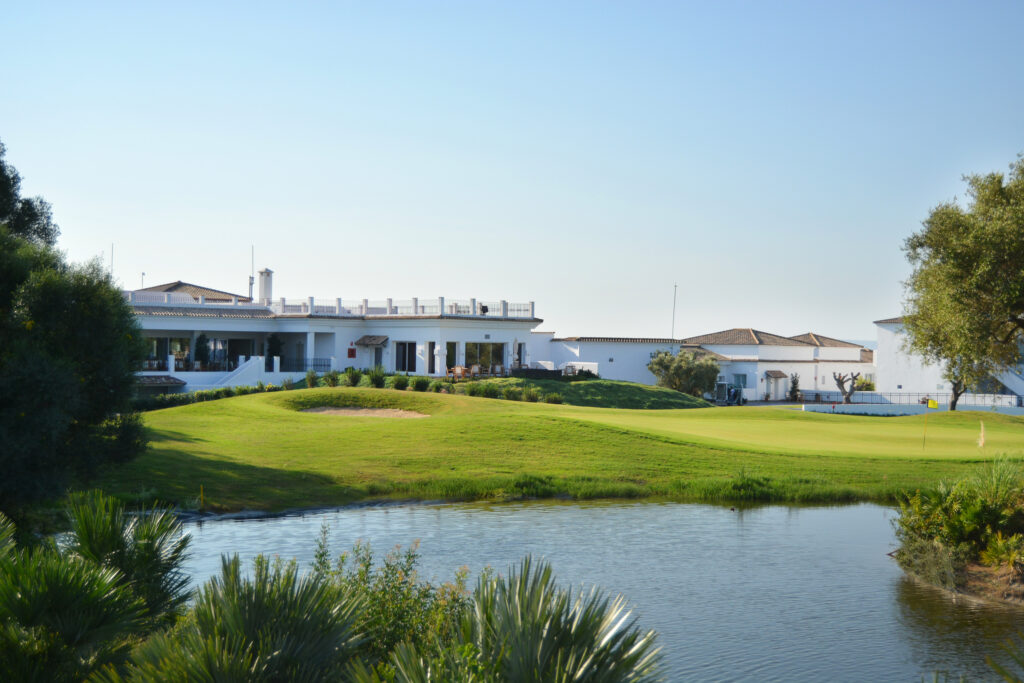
(981, 439)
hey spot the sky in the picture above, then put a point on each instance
(769, 158)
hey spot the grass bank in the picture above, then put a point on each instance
(262, 452)
(602, 393)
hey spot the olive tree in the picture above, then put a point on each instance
(965, 296)
(690, 372)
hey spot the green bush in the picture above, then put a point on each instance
(399, 382)
(376, 376)
(271, 388)
(274, 626)
(530, 394)
(397, 607)
(440, 386)
(512, 394)
(527, 628)
(420, 383)
(490, 390)
(352, 377)
(312, 379)
(332, 378)
(979, 518)
(553, 398)
(473, 389)
(287, 384)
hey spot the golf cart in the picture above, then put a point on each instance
(728, 395)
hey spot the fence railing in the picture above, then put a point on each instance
(305, 364)
(350, 307)
(907, 398)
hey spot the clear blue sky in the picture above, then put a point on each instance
(769, 157)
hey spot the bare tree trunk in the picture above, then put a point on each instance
(841, 380)
(958, 390)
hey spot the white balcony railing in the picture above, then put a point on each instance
(348, 307)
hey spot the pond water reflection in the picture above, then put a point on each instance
(774, 593)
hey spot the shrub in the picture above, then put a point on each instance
(420, 383)
(148, 550)
(287, 384)
(490, 390)
(274, 626)
(531, 395)
(397, 608)
(526, 627)
(271, 388)
(377, 376)
(260, 386)
(332, 378)
(980, 517)
(312, 379)
(352, 377)
(440, 386)
(400, 382)
(473, 389)
(585, 374)
(863, 384)
(512, 394)
(553, 398)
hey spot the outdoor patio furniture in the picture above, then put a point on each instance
(498, 370)
(474, 370)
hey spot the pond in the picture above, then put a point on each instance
(768, 594)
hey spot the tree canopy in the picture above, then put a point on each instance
(965, 296)
(688, 372)
(31, 217)
(70, 349)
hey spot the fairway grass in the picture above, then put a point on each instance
(262, 452)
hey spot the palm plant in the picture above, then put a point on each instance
(149, 550)
(62, 618)
(6, 536)
(276, 626)
(525, 628)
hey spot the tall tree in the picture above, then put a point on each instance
(965, 296)
(30, 217)
(70, 349)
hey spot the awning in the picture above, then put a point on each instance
(159, 381)
(372, 340)
(775, 374)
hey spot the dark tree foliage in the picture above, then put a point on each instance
(27, 217)
(69, 348)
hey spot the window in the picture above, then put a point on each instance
(485, 354)
(405, 356)
(740, 381)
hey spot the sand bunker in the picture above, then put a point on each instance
(366, 412)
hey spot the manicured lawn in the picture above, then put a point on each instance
(261, 452)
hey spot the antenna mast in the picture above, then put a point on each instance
(674, 288)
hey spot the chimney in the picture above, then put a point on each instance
(266, 286)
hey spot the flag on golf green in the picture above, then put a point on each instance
(932, 403)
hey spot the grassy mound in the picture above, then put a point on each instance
(605, 393)
(262, 452)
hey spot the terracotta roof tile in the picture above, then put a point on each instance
(744, 336)
(194, 291)
(204, 312)
(822, 340)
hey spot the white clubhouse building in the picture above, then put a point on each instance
(248, 341)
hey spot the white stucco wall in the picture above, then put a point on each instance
(900, 371)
